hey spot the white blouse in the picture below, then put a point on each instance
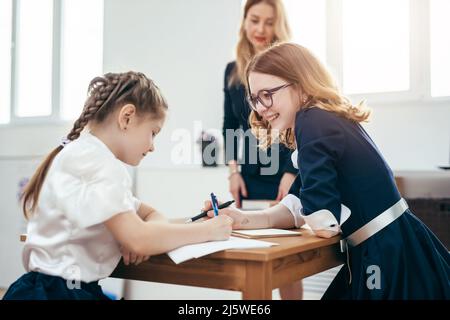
(85, 186)
(322, 222)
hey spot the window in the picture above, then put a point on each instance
(82, 52)
(50, 50)
(381, 50)
(5, 58)
(34, 47)
(440, 48)
(375, 46)
(307, 20)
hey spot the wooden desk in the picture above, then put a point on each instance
(255, 272)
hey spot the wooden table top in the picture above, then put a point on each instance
(287, 245)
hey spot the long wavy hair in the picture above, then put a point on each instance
(245, 50)
(105, 94)
(314, 83)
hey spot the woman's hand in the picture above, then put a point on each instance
(285, 185)
(237, 188)
(131, 257)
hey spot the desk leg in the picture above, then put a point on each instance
(258, 281)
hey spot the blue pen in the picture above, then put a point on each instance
(214, 204)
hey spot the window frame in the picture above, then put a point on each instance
(55, 117)
(419, 54)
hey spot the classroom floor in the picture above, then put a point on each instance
(307, 295)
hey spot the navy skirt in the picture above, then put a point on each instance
(39, 286)
(403, 261)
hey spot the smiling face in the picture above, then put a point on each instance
(259, 25)
(285, 101)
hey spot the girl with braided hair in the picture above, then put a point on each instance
(82, 214)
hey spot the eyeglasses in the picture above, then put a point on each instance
(265, 97)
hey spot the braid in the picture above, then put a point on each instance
(116, 88)
(100, 91)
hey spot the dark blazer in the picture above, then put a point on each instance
(340, 164)
(236, 115)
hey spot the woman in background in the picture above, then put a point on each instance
(264, 23)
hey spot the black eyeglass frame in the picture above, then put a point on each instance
(253, 101)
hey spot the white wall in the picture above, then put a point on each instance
(184, 47)
(412, 136)
(12, 221)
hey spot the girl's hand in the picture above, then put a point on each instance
(239, 219)
(131, 257)
(219, 228)
(285, 185)
(237, 188)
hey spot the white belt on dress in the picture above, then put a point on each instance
(370, 228)
(376, 224)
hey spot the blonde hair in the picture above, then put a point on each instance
(245, 50)
(298, 65)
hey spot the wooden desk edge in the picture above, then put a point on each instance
(263, 254)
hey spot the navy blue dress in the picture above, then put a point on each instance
(236, 116)
(39, 286)
(339, 163)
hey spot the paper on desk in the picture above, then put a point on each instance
(202, 249)
(266, 233)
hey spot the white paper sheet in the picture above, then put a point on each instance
(267, 232)
(202, 249)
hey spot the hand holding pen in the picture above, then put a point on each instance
(221, 227)
(204, 213)
(240, 219)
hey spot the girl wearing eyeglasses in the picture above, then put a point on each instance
(344, 184)
(267, 174)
